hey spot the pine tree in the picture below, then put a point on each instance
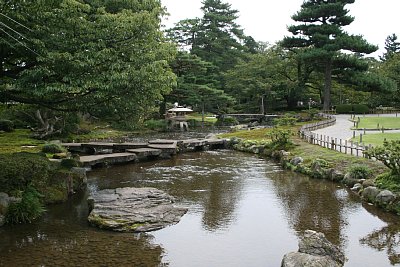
(319, 31)
(392, 46)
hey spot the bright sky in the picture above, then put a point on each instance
(267, 20)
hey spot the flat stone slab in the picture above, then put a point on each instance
(145, 152)
(133, 209)
(107, 158)
(125, 146)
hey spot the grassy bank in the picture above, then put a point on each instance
(310, 153)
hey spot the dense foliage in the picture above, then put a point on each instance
(106, 57)
(28, 209)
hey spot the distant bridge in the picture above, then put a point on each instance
(251, 117)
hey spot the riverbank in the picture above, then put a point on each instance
(357, 173)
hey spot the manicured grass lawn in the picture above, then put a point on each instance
(372, 122)
(18, 141)
(376, 139)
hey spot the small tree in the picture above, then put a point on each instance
(388, 154)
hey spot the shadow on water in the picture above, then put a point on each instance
(243, 211)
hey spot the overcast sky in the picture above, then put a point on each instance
(267, 20)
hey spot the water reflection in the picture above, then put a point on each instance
(386, 238)
(210, 182)
(311, 205)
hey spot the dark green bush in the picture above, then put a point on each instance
(6, 125)
(52, 148)
(27, 210)
(226, 121)
(287, 119)
(360, 109)
(360, 171)
(69, 163)
(19, 170)
(344, 109)
(352, 108)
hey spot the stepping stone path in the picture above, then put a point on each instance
(133, 209)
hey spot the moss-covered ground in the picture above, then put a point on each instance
(19, 140)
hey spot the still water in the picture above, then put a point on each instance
(243, 211)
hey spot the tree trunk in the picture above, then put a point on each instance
(328, 85)
(202, 114)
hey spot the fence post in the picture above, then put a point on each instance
(345, 146)
(351, 148)
(340, 146)
(357, 149)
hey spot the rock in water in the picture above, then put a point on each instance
(314, 251)
(133, 209)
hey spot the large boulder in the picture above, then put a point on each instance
(314, 251)
(369, 194)
(296, 161)
(385, 197)
(350, 181)
(133, 209)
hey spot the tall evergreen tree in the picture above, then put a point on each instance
(320, 32)
(219, 40)
(392, 46)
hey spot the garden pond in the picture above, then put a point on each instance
(243, 211)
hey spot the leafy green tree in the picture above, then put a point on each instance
(320, 32)
(195, 85)
(106, 57)
(265, 79)
(392, 46)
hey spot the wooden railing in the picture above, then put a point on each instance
(343, 146)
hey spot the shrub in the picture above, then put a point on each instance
(6, 125)
(280, 139)
(344, 109)
(52, 148)
(19, 170)
(349, 108)
(388, 181)
(69, 163)
(388, 154)
(27, 210)
(226, 121)
(360, 171)
(287, 119)
(360, 109)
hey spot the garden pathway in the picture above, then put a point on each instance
(342, 128)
